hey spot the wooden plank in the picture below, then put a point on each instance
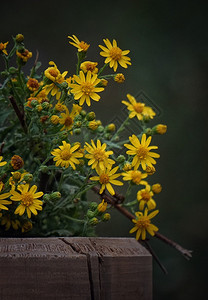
(35, 268)
(74, 268)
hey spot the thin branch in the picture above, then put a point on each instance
(19, 114)
(114, 200)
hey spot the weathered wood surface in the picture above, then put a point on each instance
(74, 268)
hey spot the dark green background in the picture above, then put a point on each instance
(168, 43)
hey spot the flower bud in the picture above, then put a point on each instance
(90, 214)
(45, 105)
(111, 127)
(46, 197)
(160, 129)
(34, 103)
(93, 125)
(150, 170)
(28, 178)
(156, 188)
(83, 113)
(77, 131)
(16, 176)
(94, 221)
(119, 78)
(90, 116)
(106, 217)
(12, 70)
(93, 205)
(120, 159)
(127, 166)
(55, 196)
(27, 226)
(19, 38)
(100, 129)
(102, 206)
(55, 119)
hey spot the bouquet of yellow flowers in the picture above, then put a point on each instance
(54, 151)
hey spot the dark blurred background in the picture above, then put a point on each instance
(168, 43)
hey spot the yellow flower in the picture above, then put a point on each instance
(89, 66)
(32, 84)
(2, 163)
(28, 199)
(143, 224)
(85, 88)
(150, 170)
(114, 55)
(54, 75)
(8, 222)
(3, 48)
(82, 46)
(156, 188)
(141, 152)
(148, 113)
(106, 178)
(102, 206)
(55, 119)
(161, 129)
(25, 55)
(135, 108)
(67, 119)
(67, 155)
(93, 125)
(60, 107)
(98, 157)
(119, 78)
(135, 176)
(3, 201)
(144, 197)
(17, 162)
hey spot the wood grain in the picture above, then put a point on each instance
(74, 268)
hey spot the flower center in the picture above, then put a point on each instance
(115, 53)
(99, 154)
(142, 152)
(84, 46)
(104, 178)
(65, 155)
(68, 121)
(138, 107)
(87, 88)
(136, 177)
(27, 199)
(53, 72)
(143, 222)
(145, 196)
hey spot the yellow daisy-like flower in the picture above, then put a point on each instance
(114, 55)
(54, 75)
(2, 163)
(135, 176)
(28, 199)
(24, 55)
(67, 119)
(82, 46)
(3, 48)
(66, 155)
(135, 108)
(106, 178)
(141, 152)
(98, 156)
(144, 197)
(85, 88)
(89, 66)
(143, 224)
(102, 206)
(3, 200)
